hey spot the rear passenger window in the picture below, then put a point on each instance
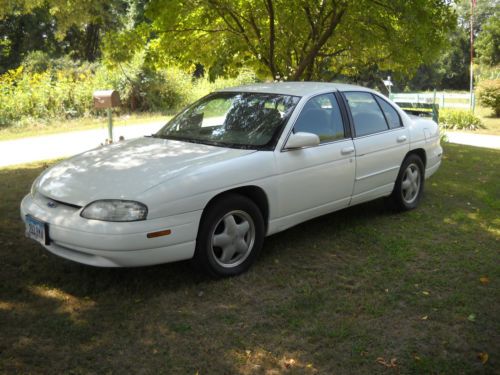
(390, 113)
(321, 116)
(366, 113)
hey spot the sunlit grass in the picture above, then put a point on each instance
(491, 123)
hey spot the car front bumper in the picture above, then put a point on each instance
(113, 244)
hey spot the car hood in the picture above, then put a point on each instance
(125, 169)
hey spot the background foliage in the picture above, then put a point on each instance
(161, 54)
(459, 120)
(489, 95)
(44, 89)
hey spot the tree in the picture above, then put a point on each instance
(61, 27)
(451, 69)
(488, 41)
(22, 33)
(483, 10)
(291, 39)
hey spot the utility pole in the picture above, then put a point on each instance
(471, 88)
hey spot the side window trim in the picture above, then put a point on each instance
(351, 119)
(346, 119)
(383, 112)
(378, 99)
(340, 104)
(349, 115)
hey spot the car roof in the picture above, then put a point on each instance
(296, 88)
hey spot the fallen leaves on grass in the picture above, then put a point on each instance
(391, 364)
(289, 362)
(425, 317)
(484, 280)
(426, 293)
(265, 362)
(483, 357)
(471, 318)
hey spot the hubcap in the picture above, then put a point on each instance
(410, 185)
(232, 239)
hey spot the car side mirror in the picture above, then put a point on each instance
(301, 140)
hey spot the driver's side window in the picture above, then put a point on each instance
(321, 116)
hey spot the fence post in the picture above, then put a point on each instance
(435, 113)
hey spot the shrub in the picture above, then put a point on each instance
(459, 120)
(42, 90)
(36, 62)
(489, 95)
(485, 72)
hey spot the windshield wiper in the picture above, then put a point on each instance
(174, 138)
(156, 135)
(205, 142)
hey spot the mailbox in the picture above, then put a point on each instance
(106, 99)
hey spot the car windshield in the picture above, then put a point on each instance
(232, 119)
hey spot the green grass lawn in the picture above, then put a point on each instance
(491, 123)
(39, 128)
(361, 291)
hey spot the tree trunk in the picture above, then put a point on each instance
(91, 42)
(316, 47)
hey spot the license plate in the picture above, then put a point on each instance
(37, 230)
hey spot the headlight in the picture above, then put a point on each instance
(115, 210)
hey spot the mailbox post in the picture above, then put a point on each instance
(107, 99)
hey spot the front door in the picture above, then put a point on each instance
(316, 180)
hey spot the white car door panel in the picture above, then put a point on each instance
(316, 180)
(378, 159)
(378, 155)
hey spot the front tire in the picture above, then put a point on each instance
(409, 184)
(230, 236)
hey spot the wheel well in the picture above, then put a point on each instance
(420, 152)
(255, 194)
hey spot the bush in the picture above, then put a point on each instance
(489, 95)
(42, 90)
(459, 120)
(36, 62)
(63, 90)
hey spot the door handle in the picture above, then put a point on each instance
(347, 150)
(402, 138)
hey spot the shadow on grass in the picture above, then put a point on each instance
(328, 296)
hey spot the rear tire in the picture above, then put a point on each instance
(230, 236)
(409, 184)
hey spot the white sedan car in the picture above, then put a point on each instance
(236, 166)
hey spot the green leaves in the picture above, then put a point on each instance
(293, 39)
(488, 41)
(278, 39)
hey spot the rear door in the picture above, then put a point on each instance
(381, 143)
